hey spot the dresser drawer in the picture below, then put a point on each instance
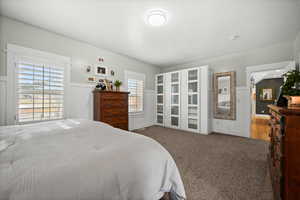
(123, 126)
(112, 108)
(111, 113)
(284, 152)
(113, 103)
(112, 96)
(115, 119)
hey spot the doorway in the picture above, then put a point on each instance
(264, 88)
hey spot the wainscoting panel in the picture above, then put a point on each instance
(146, 118)
(238, 127)
(80, 101)
(80, 98)
(2, 100)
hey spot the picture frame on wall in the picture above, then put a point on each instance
(101, 70)
(224, 84)
(267, 94)
(91, 79)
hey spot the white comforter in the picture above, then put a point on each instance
(81, 159)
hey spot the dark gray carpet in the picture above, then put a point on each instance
(217, 167)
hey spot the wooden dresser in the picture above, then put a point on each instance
(284, 155)
(111, 107)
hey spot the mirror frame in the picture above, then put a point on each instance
(232, 113)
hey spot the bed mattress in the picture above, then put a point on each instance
(82, 159)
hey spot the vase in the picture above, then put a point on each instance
(117, 89)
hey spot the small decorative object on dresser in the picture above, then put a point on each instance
(101, 85)
(284, 155)
(291, 88)
(111, 107)
(117, 83)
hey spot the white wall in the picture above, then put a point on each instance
(238, 62)
(236, 127)
(18, 33)
(147, 117)
(2, 100)
(297, 48)
(80, 106)
(85, 110)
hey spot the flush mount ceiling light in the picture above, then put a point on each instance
(156, 17)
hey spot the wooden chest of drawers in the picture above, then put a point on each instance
(284, 154)
(112, 108)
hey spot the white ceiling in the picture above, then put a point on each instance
(196, 28)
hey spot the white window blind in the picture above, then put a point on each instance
(40, 92)
(136, 89)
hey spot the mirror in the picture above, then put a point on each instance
(224, 95)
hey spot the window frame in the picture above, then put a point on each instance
(18, 100)
(18, 54)
(135, 76)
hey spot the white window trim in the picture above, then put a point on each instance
(16, 53)
(138, 76)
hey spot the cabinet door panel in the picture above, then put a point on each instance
(184, 100)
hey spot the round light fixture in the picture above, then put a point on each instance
(157, 17)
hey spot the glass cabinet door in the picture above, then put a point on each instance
(175, 99)
(160, 89)
(193, 99)
(174, 110)
(160, 109)
(175, 77)
(192, 111)
(175, 121)
(160, 119)
(160, 79)
(193, 87)
(192, 123)
(193, 75)
(175, 88)
(160, 99)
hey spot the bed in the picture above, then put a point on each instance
(81, 159)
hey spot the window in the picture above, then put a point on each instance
(135, 99)
(135, 85)
(40, 92)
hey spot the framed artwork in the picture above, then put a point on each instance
(88, 69)
(267, 94)
(101, 70)
(224, 95)
(91, 79)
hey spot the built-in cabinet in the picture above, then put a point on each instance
(160, 79)
(182, 99)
